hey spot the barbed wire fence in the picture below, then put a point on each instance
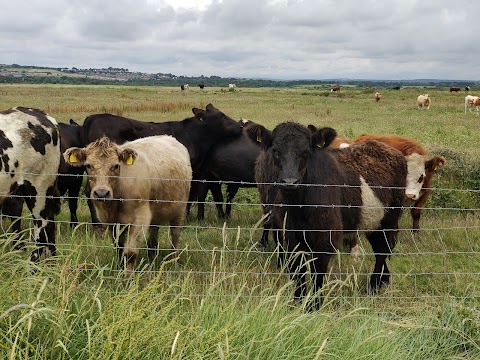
(435, 262)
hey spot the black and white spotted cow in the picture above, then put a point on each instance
(29, 160)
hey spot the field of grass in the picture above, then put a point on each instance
(226, 299)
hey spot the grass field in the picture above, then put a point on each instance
(226, 299)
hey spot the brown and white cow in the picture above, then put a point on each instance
(322, 194)
(423, 102)
(143, 183)
(473, 102)
(377, 96)
(421, 167)
(30, 155)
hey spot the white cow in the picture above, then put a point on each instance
(232, 86)
(423, 101)
(473, 101)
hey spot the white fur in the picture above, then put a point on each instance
(470, 100)
(415, 176)
(373, 210)
(423, 101)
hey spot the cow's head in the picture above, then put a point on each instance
(217, 123)
(420, 171)
(291, 146)
(103, 160)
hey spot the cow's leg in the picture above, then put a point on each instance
(175, 230)
(97, 226)
(232, 190)
(416, 210)
(202, 190)
(73, 192)
(216, 189)
(153, 243)
(192, 196)
(319, 270)
(44, 205)
(382, 243)
(12, 207)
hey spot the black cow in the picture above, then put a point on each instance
(232, 162)
(323, 194)
(200, 134)
(30, 155)
(396, 88)
(201, 86)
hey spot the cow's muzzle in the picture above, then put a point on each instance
(102, 194)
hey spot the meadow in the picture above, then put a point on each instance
(225, 298)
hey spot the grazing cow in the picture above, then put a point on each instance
(473, 102)
(467, 88)
(335, 88)
(396, 88)
(30, 155)
(351, 197)
(377, 96)
(143, 184)
(421, 167)
(423, 101)
(200, 134)
(232, 162)
(184, 87)
(456, 89)
(231, 86)
(201, 86)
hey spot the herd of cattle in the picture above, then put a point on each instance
(316, 187)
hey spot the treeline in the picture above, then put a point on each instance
(217, 81)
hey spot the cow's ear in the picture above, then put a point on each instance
(73, 122)
(312, 128)
(260, 135)
(323, 137)
(128, 156)
(435, 163)
(199, 113)
(75, 156)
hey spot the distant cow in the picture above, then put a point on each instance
(396, 88)
(467, 88)
(473, 102)
(200, 134)
(352, 197)
(423, 102)
(30, 155)
(335, 88)
(377, 96)
(184, 87)
(201, 86)
(421, 167)
(232, 86)
(456, 89)
(143, 184)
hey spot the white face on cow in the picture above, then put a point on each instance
(415, 176)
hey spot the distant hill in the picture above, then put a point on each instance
(15, 73)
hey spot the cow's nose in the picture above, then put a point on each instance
(102, 194)
(289, 183)
(411, 196)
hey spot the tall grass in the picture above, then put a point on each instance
(223, 298)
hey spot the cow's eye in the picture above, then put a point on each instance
(115, 167)
(88, 166)
(420, 179)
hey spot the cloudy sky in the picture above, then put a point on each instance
(279, 39)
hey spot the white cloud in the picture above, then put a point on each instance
(248, 38)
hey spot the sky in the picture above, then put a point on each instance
(273, 39)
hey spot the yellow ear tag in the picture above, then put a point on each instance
(435, 168)
(129, 160)
(259, 139)
(319, 145)
(72, 158)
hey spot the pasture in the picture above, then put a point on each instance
(225, 297)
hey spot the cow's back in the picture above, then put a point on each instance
(161, 174)
(405, 145)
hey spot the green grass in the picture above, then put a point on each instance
(224, 298)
